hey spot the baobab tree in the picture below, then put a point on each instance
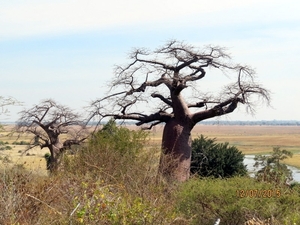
(149, 90)
(48, 121)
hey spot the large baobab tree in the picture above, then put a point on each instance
(48, 121)
(149, 90)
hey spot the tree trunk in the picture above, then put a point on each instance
(52, 164)
(175, 160)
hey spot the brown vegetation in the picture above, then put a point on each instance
(108, 184)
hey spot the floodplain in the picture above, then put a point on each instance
(248, 139)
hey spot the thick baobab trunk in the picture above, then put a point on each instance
(52, 164)
(176, 156)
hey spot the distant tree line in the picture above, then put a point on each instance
(215, 122)
(254, 123)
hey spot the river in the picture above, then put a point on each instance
(249, 161)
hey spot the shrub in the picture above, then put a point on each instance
(234, 201)
(272, 170)
(125, 188)
(21, 143)
(112, 151)
(5, 148)
(119, 139)
(216, 159)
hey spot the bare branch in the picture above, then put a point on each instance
(7, 101)
(146, 84)
(201, 104)
(152, 125)
(160, 116)
(47, 121)
(172, 68)
(168, 102)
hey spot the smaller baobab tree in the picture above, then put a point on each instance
(48, 121)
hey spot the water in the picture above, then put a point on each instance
(249, 161)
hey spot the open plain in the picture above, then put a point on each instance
(248, 139)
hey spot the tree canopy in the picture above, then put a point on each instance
(154, 78)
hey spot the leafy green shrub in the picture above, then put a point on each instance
(272, 170)
(113, 152)
(216, 159)
(119, 139)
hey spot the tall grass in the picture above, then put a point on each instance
(106, 182)
(114, 180)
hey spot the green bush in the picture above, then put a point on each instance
(112, 150)
(272, 170)
(237, 200)
(216, 159)
(119, 139)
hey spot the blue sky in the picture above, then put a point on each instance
(66, 50)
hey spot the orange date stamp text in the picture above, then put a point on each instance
(258, 193)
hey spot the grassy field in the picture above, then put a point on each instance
(248, 139)
(254, 139)
(32, 159)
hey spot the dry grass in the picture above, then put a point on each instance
(32, 159)
(248, 139)
(102, 185)
(254, 139)
(294, 161)
(106, 183)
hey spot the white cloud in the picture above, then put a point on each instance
(55, 17)
(262, 34)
